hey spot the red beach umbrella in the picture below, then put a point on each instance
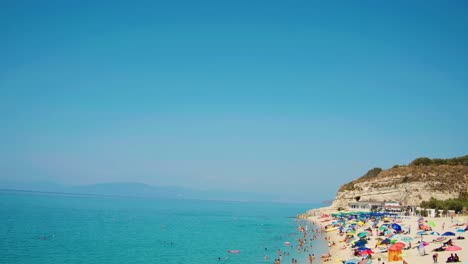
(399, 244)
(453, 248)
(366, 252)
(394, 247)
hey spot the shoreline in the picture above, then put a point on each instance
(343, 251)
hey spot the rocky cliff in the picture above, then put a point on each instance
(410, 184)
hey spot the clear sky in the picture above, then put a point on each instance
(261, 96)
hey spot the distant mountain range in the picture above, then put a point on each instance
(134, 189)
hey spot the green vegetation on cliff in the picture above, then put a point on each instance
(428, 162)
(448, 174)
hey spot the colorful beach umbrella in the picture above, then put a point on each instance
(453, 248)
(431, 223)
(460, 230)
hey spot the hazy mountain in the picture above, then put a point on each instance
(143, 190)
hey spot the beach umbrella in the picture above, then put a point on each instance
(435, 233)
(396, 227)
(394, 248)
(386, 241)
(406, 239)
(460, 230)
(400, 244)
(382, 228)
(453, 248)
(360, 243)
(366, 252)
(431, 223)
(363, 248)
(362, 234)
(448, 234)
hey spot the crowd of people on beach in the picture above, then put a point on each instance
(304, 245)
(386, 237)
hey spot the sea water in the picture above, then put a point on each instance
(62, 228)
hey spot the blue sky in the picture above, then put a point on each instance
(261, 96)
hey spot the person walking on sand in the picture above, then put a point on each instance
(434, 257)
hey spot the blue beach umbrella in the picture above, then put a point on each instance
(396, 227)
(460, 230)
(360, 243)
(435, 233)
(385, 241)
(448, 234)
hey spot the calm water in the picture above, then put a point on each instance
(51, 228)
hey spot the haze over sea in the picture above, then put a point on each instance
(64, 228)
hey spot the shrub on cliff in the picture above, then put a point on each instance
(371, 174)
(424, 161)
(421, 162)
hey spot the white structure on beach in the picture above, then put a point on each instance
(365, 206)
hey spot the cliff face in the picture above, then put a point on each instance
(409, 185)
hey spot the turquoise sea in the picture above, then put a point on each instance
(62, 228)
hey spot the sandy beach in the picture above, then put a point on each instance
(381, 228)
